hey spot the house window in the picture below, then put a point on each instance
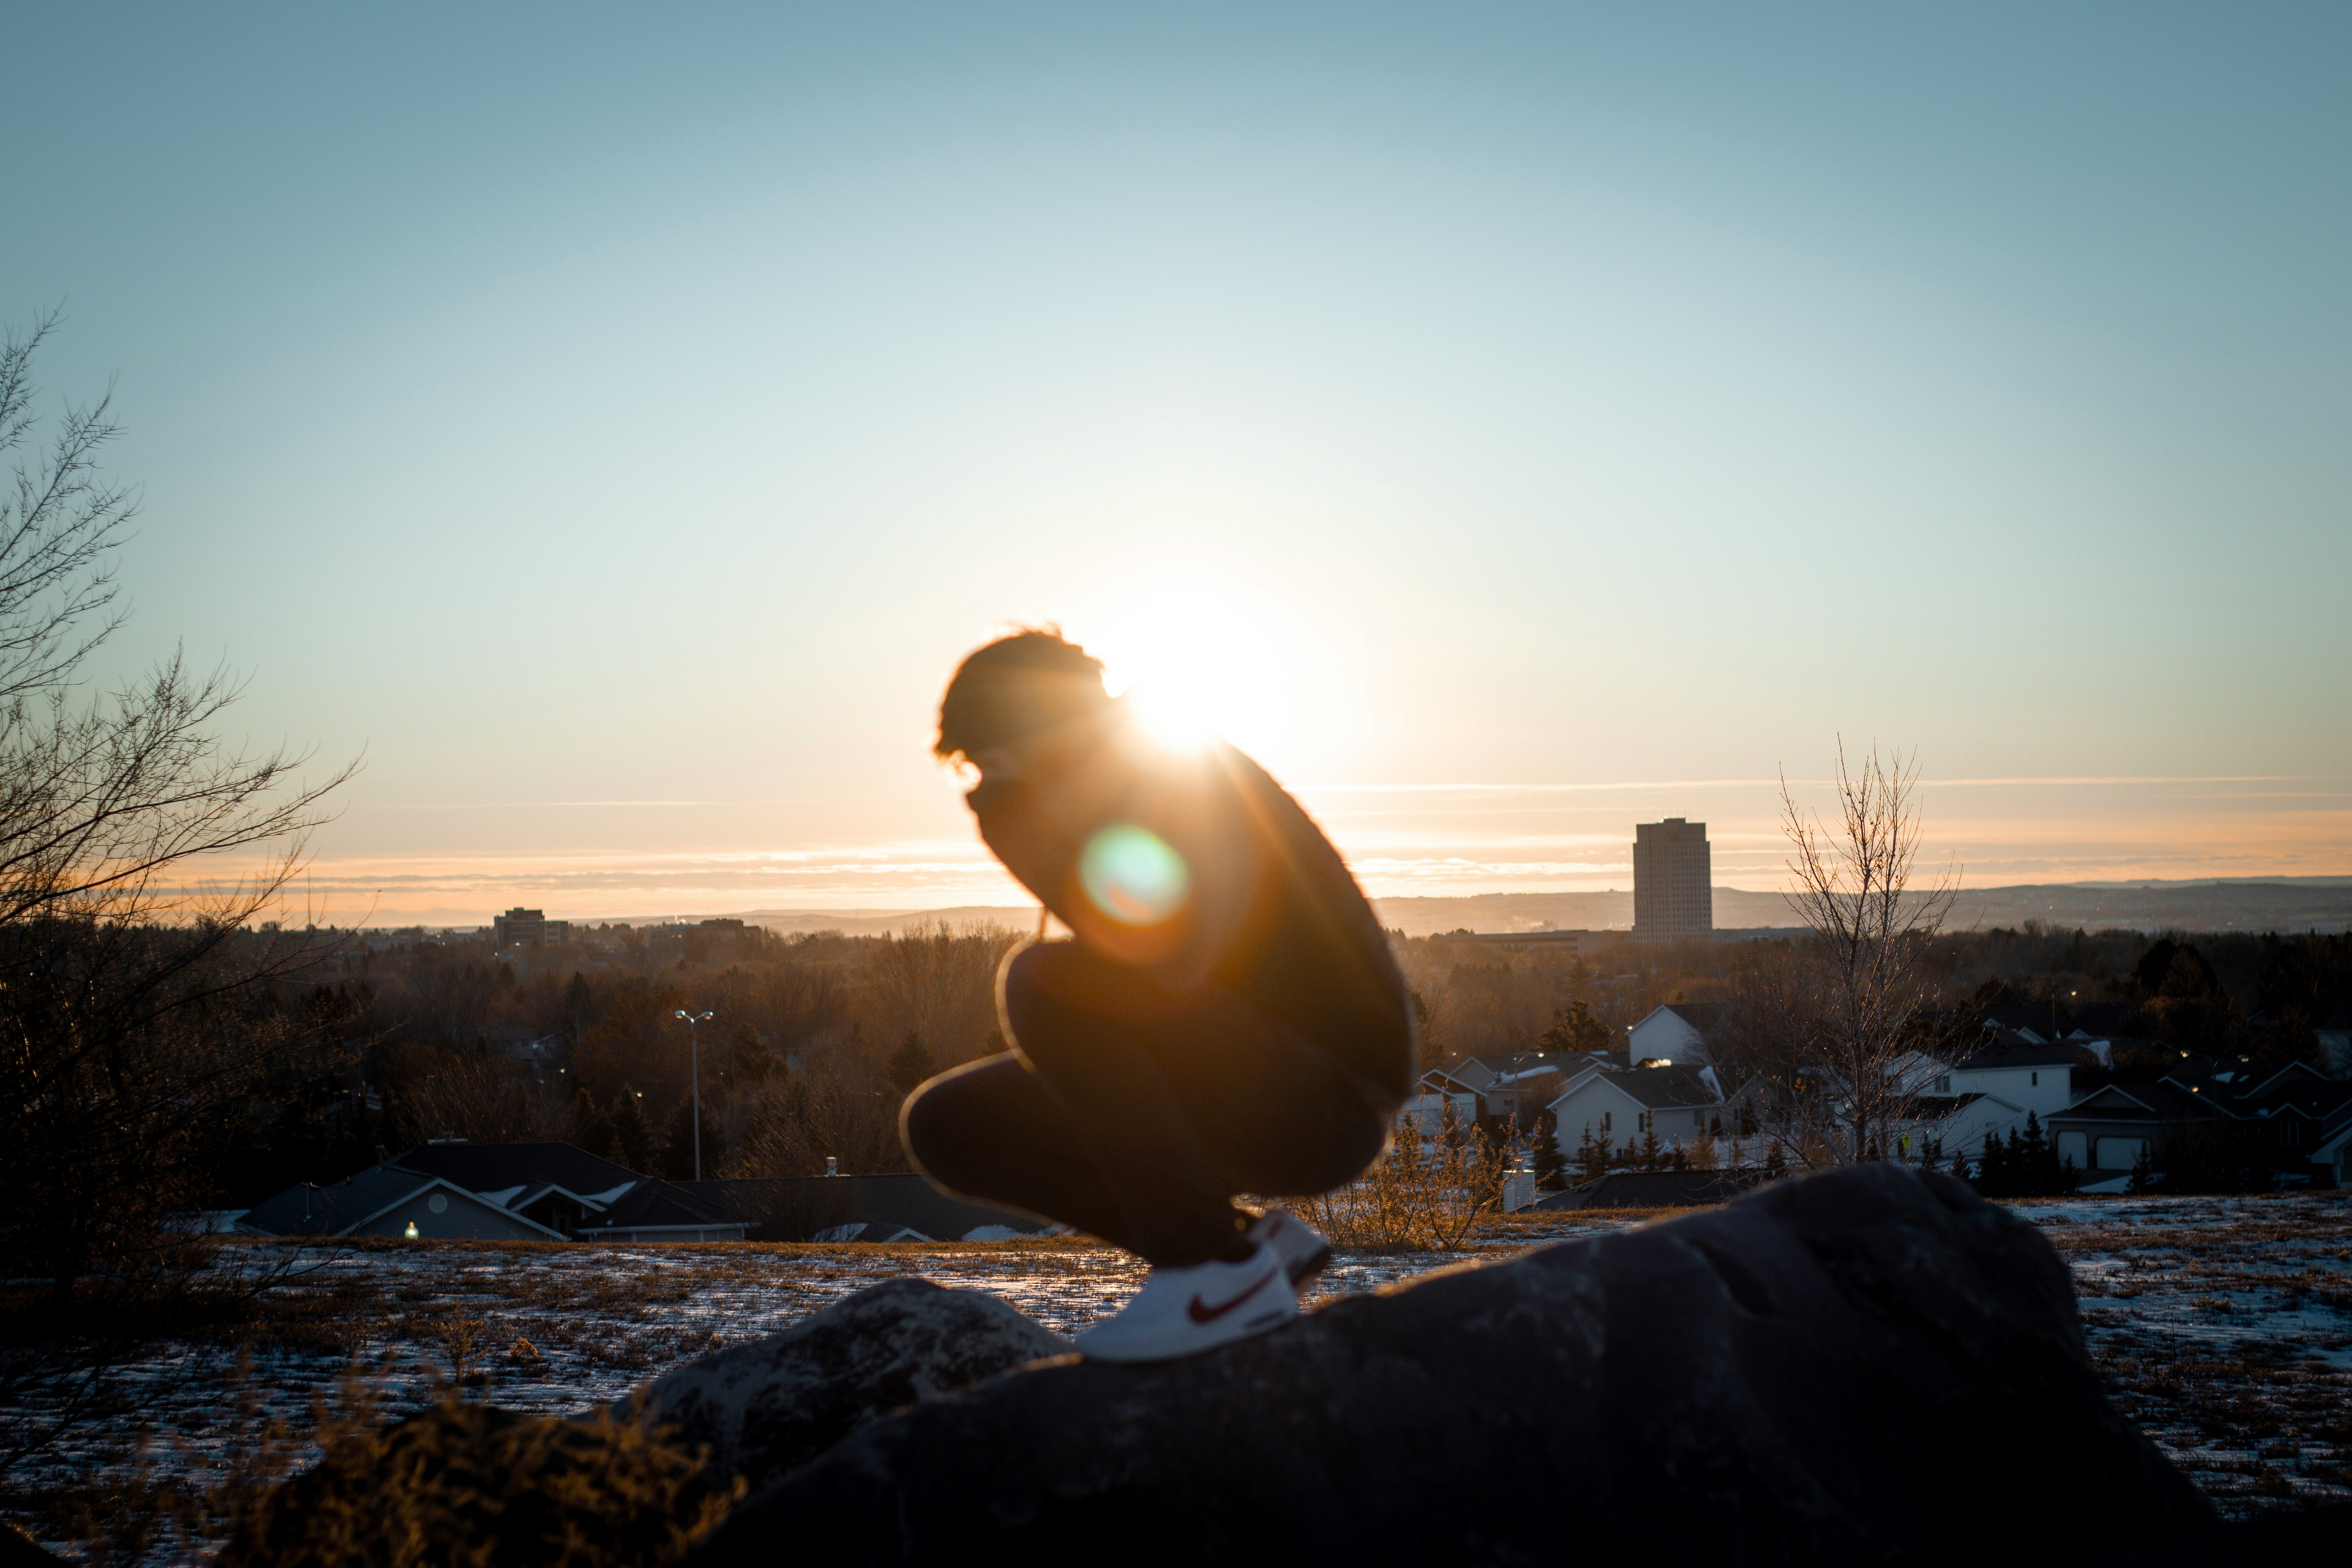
(1698, 1120)
(1604, 1121)
(1944, 1083)
(2036, 1077)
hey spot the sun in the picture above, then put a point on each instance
(1199, 659)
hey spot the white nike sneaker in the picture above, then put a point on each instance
(1183, 1311)
(1304, 1252)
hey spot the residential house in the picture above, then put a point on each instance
(2034, 1076)
(1621, 1106)
(1491, 1087)
(386, 1200)
(2036, 1024)
(1942, 1123)
(1676, 1032)
(2291, 1115)
(450, 1189)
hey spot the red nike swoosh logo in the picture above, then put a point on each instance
(1200, 1312)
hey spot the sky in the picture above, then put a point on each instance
(1511, 423)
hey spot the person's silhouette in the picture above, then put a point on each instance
(1227, 1019)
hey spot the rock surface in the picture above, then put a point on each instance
(773, 1403)
(1862, 1366)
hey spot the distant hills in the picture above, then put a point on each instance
(2285, 903)
(2288, 904)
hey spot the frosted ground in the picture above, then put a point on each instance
(2222, 1325)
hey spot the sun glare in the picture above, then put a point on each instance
(1199, 659)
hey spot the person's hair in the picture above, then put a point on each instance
(1016, 687)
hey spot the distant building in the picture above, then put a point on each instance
(1676, 1032)
(519, 927)
(1619, 1106)
(1674, 881)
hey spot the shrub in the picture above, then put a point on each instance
(1421, 1196)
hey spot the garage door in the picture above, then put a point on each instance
(2120, 1154)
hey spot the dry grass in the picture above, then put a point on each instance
(2224, 1328)
(1417, 1197)
(462, 1483)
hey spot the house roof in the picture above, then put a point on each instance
(1699, 1016)
(1653, 1189)
(797, 1208)
(2042, 1020)
(493, 1167)
(652, 1205)
(344, 1206)
(2096, 1020)
(1656, 1089)
(305, 1210)
(2271, 1089)
(2140, 1102)
(2006, 1049)
(1475, 1075)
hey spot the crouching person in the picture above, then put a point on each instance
(1226, 1018)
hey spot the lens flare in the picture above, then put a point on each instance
(1131, 875)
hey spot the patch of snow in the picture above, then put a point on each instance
(504, 1195)
(609, 1196)
(850, 1232)
(991, 1233)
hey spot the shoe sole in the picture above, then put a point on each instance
(1305, 1272)
(1248, 1329)
(1303, 1269)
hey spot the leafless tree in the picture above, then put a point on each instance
(1828, 1029)
(138, 1020)
(939, 981)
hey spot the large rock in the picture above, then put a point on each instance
(1865, 1366)
(775, 1402)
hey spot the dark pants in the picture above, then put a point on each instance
(1137, 1114)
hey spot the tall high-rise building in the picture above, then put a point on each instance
(1674, 882)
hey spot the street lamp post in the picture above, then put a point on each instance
(694, 1058)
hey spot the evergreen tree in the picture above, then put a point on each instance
(1591, 1156)
(1776, 1164)
(678, 1143)
(1992, 1169)
(744, 1059)
(1960, 1164)
(909, 1064)
(2035, 1165)
(1650, 1159)
(590, 1128)
(1575, 1029)
(579, 1001)
(2142, 1170)
(1551, 1164)
(633, 1139)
